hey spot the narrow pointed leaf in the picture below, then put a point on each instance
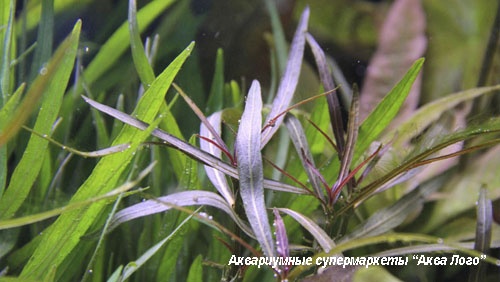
(202, 117)
(318, 233)
(390, 217)
(386, 110)
(7, 18)
(250, 169)
(117, 44)
(141, 62)
(216, 98)
(180, 199)
(483, 233)
(189, 149)
(289, 80)
(132, 267)
(332, 99)
(44, 39)
(430, 112)
(302, 147)
(347, 154)
(53, 83)
(56, 246)
(25, 220)
(282, 248)
(484, 221)
(457, 184)
(215, 176)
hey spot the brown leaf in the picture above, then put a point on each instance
(401, 41)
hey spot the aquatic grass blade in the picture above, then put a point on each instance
(117, 44)
(215, 176)
(52, 82)
(250, 169)
(141, 62)
(289, 80)
(29, 219)
(57, 245)
(44, 39)
(7, 18)
(5, 114)
(132, 267)
(216, 98)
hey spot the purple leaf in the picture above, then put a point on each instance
(289, 80)
(282, 247)
(181, 199)
(189, 149)
(250, 169)
(319, 234)
(347, 154)
(215, 176)
(299, 141)
(332, 99)
(401, 41)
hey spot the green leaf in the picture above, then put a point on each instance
(5, 113)
(132, 267)
(196, 270)
(117, 44)
(52, 83)
(141, 61)
(431, 112)
(44, 38)
(6, 23)
(216, 97)
(392, 216)
(460, 192)
(63, 236)
(385, 111)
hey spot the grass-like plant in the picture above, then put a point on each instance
(151, 205)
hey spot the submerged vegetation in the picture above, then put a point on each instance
(306, 168)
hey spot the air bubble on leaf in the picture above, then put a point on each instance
(205, 215)
(43, 70)
(498, 262)
(63, 147)
(90, 271)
